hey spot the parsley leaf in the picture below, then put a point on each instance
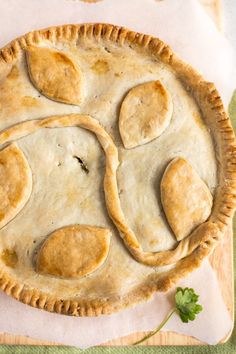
(186, 304)
(186, 307)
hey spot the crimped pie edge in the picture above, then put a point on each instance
(210, 103)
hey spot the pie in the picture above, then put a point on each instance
(117, 169)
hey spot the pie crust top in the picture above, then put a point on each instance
(117, 168)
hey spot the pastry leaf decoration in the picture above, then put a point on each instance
(186, 307)
(73, 251)
(15, 182)
(186, 199)
(55, 75)
(145, 113)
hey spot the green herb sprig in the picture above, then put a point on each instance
(186, 307)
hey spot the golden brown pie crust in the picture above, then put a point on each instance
(207, 235)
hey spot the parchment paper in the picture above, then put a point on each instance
(187, 28)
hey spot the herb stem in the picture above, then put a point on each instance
(162, 324)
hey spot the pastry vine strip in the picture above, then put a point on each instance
(185, 247)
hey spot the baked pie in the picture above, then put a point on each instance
(117, 168)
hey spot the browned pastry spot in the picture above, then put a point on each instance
(12, 99)
(9, 257)
(100, 67)
(55, 75)
(13, 74)
(28, 101)
(73, 251)
(199, 121)
(186, 199)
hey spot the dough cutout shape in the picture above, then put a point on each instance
(15, 182)
(145, 113)
(55, 75)
(186, 199)
(73, 251)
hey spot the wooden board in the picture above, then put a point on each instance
(213, 8)
(221, 260)
(222, 263)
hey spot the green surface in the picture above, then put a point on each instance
(227, 348)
